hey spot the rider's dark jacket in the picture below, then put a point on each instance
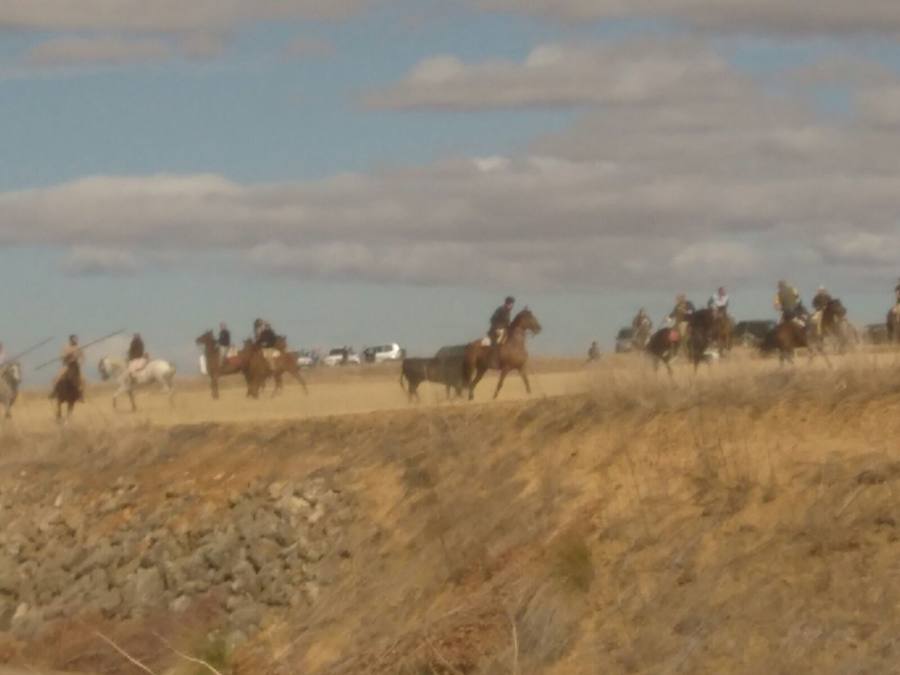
(821, 301)
(267, 339)
(225, 338)
(501, 318)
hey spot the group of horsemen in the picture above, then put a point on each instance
(264, 337)
(787, 301)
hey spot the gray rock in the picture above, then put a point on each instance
(180, 604)
(145, 589)
(26, 620)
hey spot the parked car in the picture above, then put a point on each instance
(380, 354)
(306, 359)
(624, 340)
(342, 356)
(752, 333)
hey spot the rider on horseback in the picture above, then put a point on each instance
(137, 355)
(681, 314)
(500, 320)
(787, 301)
(641, 327)
(266, 340)
(821, 300)
(224, 341)
(71, 353)
(718, 303)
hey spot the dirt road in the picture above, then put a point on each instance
(329, 394)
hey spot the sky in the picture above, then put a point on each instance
(367, 171)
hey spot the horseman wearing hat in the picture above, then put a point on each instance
(500, 320)
(71, 353)
(821, 300)
(787, 301)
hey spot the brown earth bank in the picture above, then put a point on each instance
(740, 524)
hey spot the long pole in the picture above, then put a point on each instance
(89, 344)
(28, 351)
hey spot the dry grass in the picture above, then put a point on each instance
(740, 520)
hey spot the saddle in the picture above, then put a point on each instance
(233, 360)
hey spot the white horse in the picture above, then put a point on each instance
(155, 372)
(10, 379)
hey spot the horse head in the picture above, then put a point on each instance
(526, 320)
(206, 340)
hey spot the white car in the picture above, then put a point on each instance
(341, 356)
(380, 354)
(307, 359)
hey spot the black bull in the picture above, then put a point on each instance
(446, 368)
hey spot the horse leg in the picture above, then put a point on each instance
(301, 381)
(131, 398)
(214, 386)
(524, 376)
(479, 373)
(279, 384)
(503, 374)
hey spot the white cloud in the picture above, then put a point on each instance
(163, 16)
(561, 75)
(880, 106)
(797, 17)
(717, 181)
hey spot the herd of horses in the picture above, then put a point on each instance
(458, 368)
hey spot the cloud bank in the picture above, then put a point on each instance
(679, 170)
(798, 17)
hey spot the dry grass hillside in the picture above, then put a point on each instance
(744, 520)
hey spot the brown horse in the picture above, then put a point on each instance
(249, 362)
(511, 355)
(722, 333)
(67, 390)
(662, 347)
(286, 362)
(835, 325)
(788, 336)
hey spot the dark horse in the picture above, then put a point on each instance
(249, 362)
(893, 324)
(788, 336)
(511, 355)
(67, 390)
(286, 362)
(665, 343)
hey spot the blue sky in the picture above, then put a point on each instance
(391, 174)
